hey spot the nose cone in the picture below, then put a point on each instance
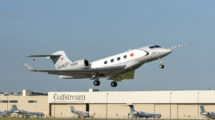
(165, 52)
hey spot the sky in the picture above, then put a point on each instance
(94, 29)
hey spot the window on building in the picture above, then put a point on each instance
(3, 101)
(105, 62)
(13, 101)
(32, 101)
(112, 60)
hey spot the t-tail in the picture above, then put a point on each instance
(202, 109)
(72, 109)
(132, 108)
(59, 58)
(13, 108)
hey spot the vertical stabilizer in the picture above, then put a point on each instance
(72, 109)
(60, 60)
(13, 108)
(202, 109)
(131, 108)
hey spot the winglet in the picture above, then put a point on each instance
(29, 67)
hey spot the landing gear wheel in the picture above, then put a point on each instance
(96, 82)
(113, 84)
(162, 66)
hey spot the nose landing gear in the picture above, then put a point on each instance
(161, 65)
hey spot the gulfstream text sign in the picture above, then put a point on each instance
(65, 97)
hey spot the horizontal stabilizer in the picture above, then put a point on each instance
(44, 56)
(29, 67)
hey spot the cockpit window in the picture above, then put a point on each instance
(154, 46)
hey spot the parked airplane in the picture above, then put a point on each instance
(207, 114)
(27, 114)
(140, 114)
(80, 114)
(7, 113)
(117, 67)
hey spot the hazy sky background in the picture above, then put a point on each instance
(94, 29)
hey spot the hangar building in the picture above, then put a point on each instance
(170, 104)
(114, 104)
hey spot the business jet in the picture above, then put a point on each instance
(9, 112)
(140, 114)
(207, 114)
(117, 67)
(80, 114)
(26, 114)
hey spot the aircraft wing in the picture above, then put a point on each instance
(3, 114)
(103, 70)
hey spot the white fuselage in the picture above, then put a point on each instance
(132, 59)
(145, 115)
(209, 114)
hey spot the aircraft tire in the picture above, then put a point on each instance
(162, 66)
(113, 84)
(96, 82)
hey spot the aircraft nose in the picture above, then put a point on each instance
(166, 51)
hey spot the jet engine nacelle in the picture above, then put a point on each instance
(80, 64)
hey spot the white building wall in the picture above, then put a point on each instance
(111, 104)
(207, 96)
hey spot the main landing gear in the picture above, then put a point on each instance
(97, 83)
(161, 65)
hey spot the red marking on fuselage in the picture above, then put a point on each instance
(62, 58)
(132, 54)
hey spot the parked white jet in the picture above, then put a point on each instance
(140, 114)
(117, 67)
(207, 114)
(80, 114)
(27, 114)
(7, 113)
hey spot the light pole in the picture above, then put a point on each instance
(7, 104)
(107, 106)
(170, 108)
(54, 109)
(198, 103)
